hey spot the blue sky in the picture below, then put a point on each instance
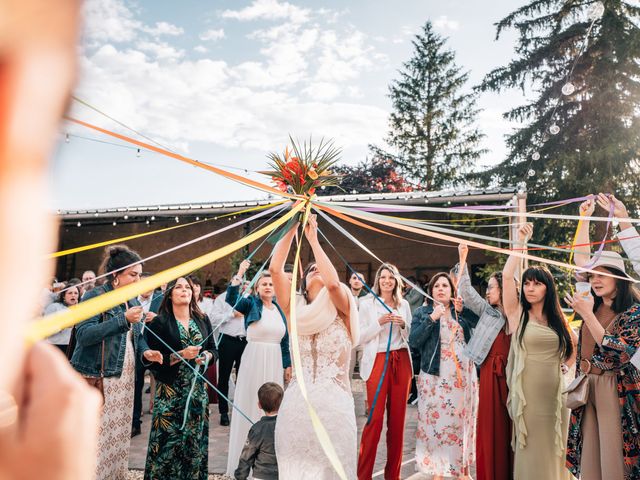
(227, 81)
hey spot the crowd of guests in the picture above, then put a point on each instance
(487, 371)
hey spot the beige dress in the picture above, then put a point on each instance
(115, 427)
(536, 405)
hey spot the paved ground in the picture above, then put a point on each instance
(219, 440)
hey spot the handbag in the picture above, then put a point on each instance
(578, 392)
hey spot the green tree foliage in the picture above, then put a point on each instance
(432, 124)
(597, 146)
(375, 175)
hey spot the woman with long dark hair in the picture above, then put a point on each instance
(179, 439)
(447, 383)
(106, 345)
(489, 348)
(603, 437)
(541, 343)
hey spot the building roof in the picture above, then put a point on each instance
(493, 195)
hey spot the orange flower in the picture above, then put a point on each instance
(313, 175)
(325, 173)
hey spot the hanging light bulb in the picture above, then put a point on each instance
(323, 187)
(177, 220)
(197, 219)
(66, 138)
(535, 156)
(96, 214)
(531, 173)
(115, 223)
(153, 218)
(354, 191)
(595, 11)
(138, 153)
(79, 224)
(568, 88)
(126, 217)
(554, 129)
(147, 222)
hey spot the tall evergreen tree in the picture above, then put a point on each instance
(432, 123)
(596, 145)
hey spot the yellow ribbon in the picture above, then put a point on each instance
(84, 248)
(321, 432)
(46, 326)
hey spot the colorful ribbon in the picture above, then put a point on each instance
(44, 327)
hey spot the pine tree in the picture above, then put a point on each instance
(432, 123)
(596, 148)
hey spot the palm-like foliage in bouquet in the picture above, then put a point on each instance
(304, 168)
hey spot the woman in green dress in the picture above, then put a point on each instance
(542, 348)
(179, 439)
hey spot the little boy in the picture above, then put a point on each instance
(259, 452)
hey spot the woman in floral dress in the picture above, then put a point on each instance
(179, 439)
(447, 384)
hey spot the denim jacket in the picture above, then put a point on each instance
(113, 329)
(251, 308)
(425, 335)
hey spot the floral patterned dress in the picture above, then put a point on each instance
(174, 453)
(447, 409)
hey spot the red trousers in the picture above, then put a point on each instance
(392, 397)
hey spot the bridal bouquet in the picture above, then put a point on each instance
(304, 168)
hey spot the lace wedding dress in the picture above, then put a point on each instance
(325, 365)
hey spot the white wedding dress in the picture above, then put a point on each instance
(325, 365)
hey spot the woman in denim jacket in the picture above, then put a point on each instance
(106, 345)
(447, 383)
(265, 359)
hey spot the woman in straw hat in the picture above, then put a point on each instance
(603, 436)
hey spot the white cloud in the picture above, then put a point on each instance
(304, 81)
(165, 28)
(269, 10)
(444, 23)
(109, 21)
(160, 50)
(212, 35)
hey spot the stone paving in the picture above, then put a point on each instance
(219, 440)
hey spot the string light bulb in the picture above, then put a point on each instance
(147, 222)
(153, 218)
(177, 220)
(197, 219)
(531, 173)
(67, 138)
(554, 129)
(115, 223)
(595, 11)
(535, 156)
(568, 88)
(126, 217)
(79, 224)
(138, 153)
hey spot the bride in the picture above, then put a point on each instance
(327, 321)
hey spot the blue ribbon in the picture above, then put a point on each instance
(386, 357)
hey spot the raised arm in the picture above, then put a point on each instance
(510, 302)
(327, 270)
(582, 253)
(281, 283)
(628, 235)
(472, 299)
